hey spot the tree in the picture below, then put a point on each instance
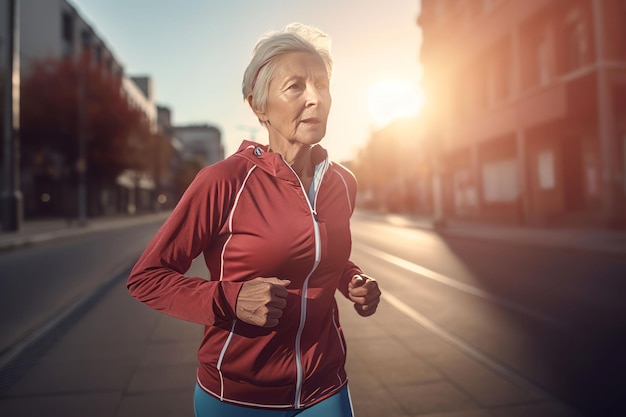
(187, 172)
(116, 135)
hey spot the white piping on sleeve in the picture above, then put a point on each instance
(230, 220)
(230, 231)
(343, 348)
(345, 184)
(219, 361)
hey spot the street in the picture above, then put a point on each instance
(499, 328)
(553, 318)
(39, 282)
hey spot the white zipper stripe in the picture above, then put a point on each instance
(345, 184)
(303, 303)
(299, 370)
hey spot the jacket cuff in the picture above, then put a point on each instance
(350, 271)
(229, 294)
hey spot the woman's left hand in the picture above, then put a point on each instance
(365, 294)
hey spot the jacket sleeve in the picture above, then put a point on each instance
(349, 271)
(158, 278)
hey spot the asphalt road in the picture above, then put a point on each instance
(553, 318)
(38, 283)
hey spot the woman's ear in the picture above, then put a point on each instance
(259, 114)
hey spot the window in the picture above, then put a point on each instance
(577, 47)
(67, 28)
(536, 56)
(542, 59)
(500, 184)
(545, 170)
(498, 76)
(98, 54)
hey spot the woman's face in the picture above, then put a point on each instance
(298, 99)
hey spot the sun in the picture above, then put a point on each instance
(390, 99)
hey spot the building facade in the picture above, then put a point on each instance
(527, 109)
(54, 29)
(200, 140)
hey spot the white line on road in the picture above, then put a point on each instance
(442, 279)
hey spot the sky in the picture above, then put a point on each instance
(196, 51)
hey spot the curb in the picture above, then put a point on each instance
(107, 224)
(452, 231)
(11, 355)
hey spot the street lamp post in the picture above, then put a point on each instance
(81, 165)
(11, 196)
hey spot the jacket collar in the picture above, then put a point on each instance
(273, 163)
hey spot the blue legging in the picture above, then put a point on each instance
(205, 405)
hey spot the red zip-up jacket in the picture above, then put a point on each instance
(250, 217)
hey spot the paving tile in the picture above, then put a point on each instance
(71, 350)
(483, 384)
(115, 318)
(163, 378)
(99, 404)
(464, 413)
(375, 403)
(356, 331)
(412, 372)
(539, 409)
(169, 353)
(157, 404)
(395, 323)
(430, 398)
(171, 328)
(58, 377)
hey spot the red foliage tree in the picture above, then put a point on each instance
(50, 120)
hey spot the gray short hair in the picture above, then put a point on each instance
(295, 37)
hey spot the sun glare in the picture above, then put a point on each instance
(392, 99)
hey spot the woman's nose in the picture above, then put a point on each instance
(313, 96)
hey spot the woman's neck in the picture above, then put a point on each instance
(298, 158)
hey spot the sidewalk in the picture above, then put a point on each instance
(39, 231)
(119, 358)
(594, 240)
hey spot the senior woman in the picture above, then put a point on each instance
(273, 225)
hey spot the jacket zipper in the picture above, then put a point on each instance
(303, 302)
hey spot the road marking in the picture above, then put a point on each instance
(461, 345)
(442, 279)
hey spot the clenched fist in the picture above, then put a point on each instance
(261, 301)
(365, 294)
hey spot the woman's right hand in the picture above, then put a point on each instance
(261, 301)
